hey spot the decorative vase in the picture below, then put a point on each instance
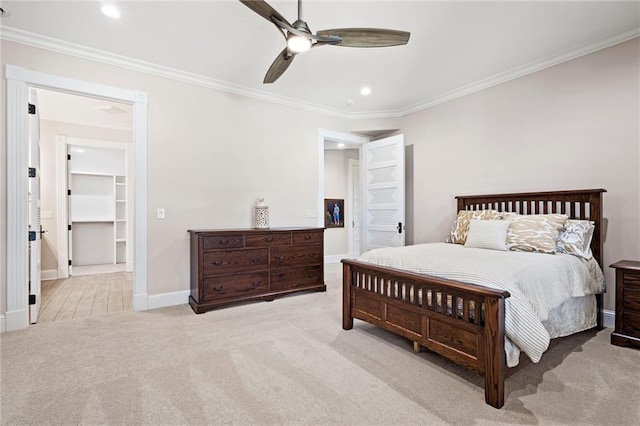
(261, 214)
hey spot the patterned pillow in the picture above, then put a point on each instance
(487, 234)
(575, 238)
(535, 232)
(460, 228)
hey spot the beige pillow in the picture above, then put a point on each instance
(575, 238)
(535, 233)
(487, 234)
(458, 234)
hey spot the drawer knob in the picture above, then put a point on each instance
(224, 242)
(218, 262)
(268, 239)
(307, 237)
(218, 288)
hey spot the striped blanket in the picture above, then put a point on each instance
(538, 283)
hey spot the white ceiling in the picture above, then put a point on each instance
(454, 46)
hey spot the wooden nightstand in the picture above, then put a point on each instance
(627, 332)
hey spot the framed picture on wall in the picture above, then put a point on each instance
(333, 213)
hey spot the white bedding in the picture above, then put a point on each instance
(538, 283)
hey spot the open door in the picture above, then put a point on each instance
(35, 228)
(382, 165)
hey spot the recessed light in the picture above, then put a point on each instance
(340, 145)
(365, 91)
(4, 12)
(111, 11)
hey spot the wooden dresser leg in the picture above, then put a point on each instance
(416, 347)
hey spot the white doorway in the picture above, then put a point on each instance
(19, 80)
(380, 207)
(332, 141)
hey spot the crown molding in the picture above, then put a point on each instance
(84, 52)
(73, 49)
(521, 71)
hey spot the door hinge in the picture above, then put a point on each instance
(32, 172)
(68, 156)
(32, 299)
(399, 227)
(68, 227)
(68, 192)
(32, 109)
(32, 235)
(70, 263)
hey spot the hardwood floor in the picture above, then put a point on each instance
(85, 296)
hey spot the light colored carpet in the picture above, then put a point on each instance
(290, 362)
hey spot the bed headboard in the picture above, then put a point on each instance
(585, 204)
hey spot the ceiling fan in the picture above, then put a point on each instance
(300, 38)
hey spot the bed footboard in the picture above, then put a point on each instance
(463, 322)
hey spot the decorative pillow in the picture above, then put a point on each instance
(535, 232)
(458, 234)
(575, 238)
(487, 234)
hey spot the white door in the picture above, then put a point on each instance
(382, 182)
(35, 228)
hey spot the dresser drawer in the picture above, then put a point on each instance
(631, 324)
(299, 255)
(631, 280)
(311, 237)
(222, 242)
(227, 261)
(291, 278)
(235, 286)
(268, 239)
(631, 302)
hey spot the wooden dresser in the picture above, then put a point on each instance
(627, 332)
(234, 265)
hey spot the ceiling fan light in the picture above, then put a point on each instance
(298, 44)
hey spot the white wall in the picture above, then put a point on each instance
(572, 126)
(210, 155)
(336, 179)
(575, 125)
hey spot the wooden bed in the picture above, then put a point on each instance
(455, 331)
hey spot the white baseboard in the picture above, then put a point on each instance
(15, 320)
(140, 302)
(63, 273)
(335, 258)
(168, 299)
(3, 325)
(49, 274)
(609, 318)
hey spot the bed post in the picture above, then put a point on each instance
(494, 357)
(347, 318)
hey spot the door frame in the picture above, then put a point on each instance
(353, 250)
(19, 80)
(325, 135)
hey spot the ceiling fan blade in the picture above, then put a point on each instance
(263, 9)
(366, 37)
(279, 66)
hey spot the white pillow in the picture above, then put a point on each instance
(487, 234)
(575, 238)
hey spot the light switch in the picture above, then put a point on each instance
(160, 213)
